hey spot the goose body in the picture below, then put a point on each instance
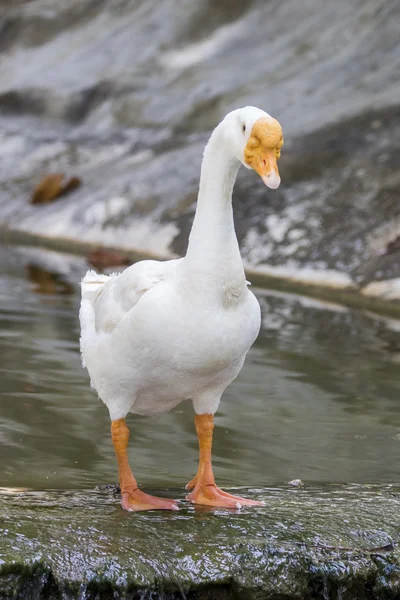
(148, 349)
(160, 333)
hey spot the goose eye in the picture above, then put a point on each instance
(243, 128)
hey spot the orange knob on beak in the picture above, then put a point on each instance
(263, 149)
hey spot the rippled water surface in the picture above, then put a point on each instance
(318, 398)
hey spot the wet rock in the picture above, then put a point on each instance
(53, 186)
(389, 289)
(307, 543)
(296, 483)
(393, 246)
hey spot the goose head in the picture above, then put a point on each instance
(256, 140)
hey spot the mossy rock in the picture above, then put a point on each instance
(329, 543)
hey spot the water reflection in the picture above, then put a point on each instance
(318, 399)
(47, 282)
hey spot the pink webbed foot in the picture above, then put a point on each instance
(138, 501)
(211, 495)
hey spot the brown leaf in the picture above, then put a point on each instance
(52, 187)
(101, 258)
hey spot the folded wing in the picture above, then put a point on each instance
(106, 299)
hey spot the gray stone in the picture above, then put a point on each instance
(124, 94)
(323, 543)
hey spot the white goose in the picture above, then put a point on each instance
(163, 332)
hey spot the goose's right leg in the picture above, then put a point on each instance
(132, 498)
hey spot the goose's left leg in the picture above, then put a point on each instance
(204, 488)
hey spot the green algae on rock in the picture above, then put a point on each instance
(329, 542)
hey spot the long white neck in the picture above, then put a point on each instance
(213, 247)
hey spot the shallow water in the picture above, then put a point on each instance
(317, 400)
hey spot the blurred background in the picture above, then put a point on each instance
(123, 95)
(105, 107)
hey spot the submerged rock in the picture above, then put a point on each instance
(307, 543)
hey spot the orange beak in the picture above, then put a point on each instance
(265, 164)
(263, 149)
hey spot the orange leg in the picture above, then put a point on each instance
(132, 498)
(204, 488)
